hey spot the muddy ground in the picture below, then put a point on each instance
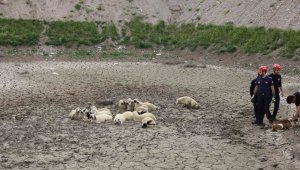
(36, 132)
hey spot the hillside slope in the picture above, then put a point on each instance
(283, 14)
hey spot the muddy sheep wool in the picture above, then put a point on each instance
(74, 113)
(148, 121)
(79, 114)
(151, 107)
(188, 102)
(122, 104)
(139, 118)
(130, 104)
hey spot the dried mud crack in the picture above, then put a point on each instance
(36, 132)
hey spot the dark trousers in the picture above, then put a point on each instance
(276, 105)
(255, 106)
(263, 107)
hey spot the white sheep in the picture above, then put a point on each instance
(130, 104)
(104, 111)
(122, 104)
(139, 118)
(79, 114)
(119, 119)
(97, 111)
(73, 112)
(128, 115)
(188, 102)
(102, 118)
(151, 107)
(148, 121)
(142, 109)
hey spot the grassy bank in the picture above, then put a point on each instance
(227, 38)
(20, 32)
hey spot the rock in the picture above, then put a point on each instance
(3, 2)
(23, 72)
(104, 102)
(288, 153)
(190, 64)
(175, 8)
(264, 159)
(202, 65)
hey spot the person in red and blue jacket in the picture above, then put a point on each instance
(254, 96)
(264, 90)
(277, 79)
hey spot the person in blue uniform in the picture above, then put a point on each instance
(264, 89)
(254, 96)
(277, 79)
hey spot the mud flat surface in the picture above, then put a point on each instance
(36, 132)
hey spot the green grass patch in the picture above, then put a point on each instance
(20, 32)
(226, 38)
(73, 33)
(221, 39)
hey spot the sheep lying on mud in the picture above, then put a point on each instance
(121, 118)
(133, 110)
(147, 105)
(91, 114)
(126, 104)
(139, 118)
(188, 102)
(148, 121)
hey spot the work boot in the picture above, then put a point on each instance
(261, 126)
(254, 122)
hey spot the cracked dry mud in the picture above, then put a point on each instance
(36, 132)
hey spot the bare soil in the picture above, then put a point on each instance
(36, 132)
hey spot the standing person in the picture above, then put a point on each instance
(254, 96)
(295, 98)
(264, 89)
(276, 77)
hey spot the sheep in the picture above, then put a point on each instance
(80, 114)
(142, 109)
(104, 111)
(94, 115)
(102, 118)
(100, 111)
(148, 121)
(119, 119)
(139, 118)
(151, 107)
(74, 113)
(122, 104)
(130, 104)
(188, 102)
(128, 115)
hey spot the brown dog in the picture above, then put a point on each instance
(283, 124)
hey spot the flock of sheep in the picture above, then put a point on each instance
(132, 109)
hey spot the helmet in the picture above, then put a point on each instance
(263, 68)
(276, 67)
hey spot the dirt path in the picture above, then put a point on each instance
(36, 132)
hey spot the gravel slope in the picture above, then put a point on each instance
(269, 13)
